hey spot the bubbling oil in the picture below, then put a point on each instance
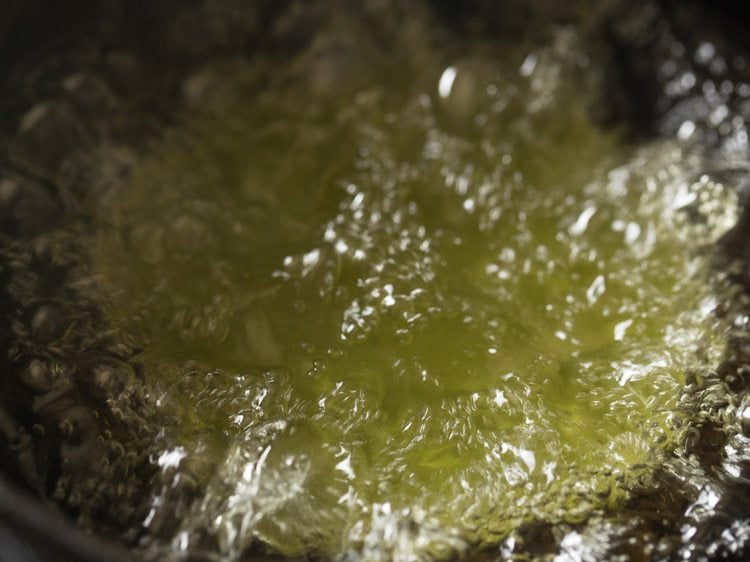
(394, 319)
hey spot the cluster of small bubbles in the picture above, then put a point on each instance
(378, 228)
(456, 315)
(73, 403)
(384, 319)
(704, 102)
(394, 330)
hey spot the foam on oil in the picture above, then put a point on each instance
(396, 318)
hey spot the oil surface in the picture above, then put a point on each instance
(394, 319)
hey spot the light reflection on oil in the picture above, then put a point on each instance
(398, 326)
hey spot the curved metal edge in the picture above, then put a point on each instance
(42, 534)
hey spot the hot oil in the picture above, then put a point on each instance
(395, 314)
